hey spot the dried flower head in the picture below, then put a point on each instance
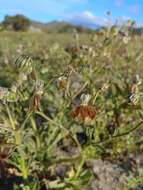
(22, 77)
(134, 89)
(34, 103)
(75, 35)
(7, 96)
(126, 39)
(137, 79)
(104, 87)
(35, 100)
(3, 92)
(84, 113)
(62, 82)
(39, 87)
(14, 88)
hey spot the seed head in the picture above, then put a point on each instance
(39, 85)
(84, 113)
(126, 39)
(62, 83)
(137, 80)
(104, 87)
(3, 92)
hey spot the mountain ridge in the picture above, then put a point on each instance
(60, 26)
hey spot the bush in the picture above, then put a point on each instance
(16, 23)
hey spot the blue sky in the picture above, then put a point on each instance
(86, 12)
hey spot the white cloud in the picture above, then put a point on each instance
(87, 15)
(134, 9)
(88, 19)
(119, 3)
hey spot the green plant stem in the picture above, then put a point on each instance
(15, 131)
(80, 167)
(68, 159)
(10, 118)
(33, 123)
(24, 168)
(26, 119)
(120, 135)
(80, 90)
(59, 126)
(17, 136)
(47, 118)
(95, 97)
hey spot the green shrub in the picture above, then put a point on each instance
(16, 23)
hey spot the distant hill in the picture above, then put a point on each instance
(137, 31)
(93, 26)
(59, 27)
(21, 23)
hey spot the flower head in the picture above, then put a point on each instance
(84, 113)
(62, 83)
(39, 87)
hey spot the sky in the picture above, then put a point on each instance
(85, 12)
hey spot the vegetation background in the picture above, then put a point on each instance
(69, 97)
